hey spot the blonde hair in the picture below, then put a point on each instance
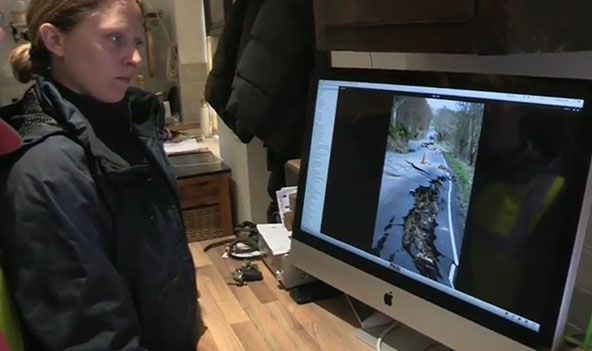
(33, 58)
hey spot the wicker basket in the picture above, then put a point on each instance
(202, 223)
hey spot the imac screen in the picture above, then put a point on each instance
(463, 189)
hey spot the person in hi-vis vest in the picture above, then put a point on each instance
(518, 200)
(10, 334)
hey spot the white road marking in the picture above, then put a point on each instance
(453, 241)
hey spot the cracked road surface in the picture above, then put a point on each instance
(419, 223)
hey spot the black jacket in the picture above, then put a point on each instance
(261, 71)
(94, 250)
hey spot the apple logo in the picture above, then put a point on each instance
(388, 298)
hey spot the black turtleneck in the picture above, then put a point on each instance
(111, 123)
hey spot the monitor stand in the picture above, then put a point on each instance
(394, 336)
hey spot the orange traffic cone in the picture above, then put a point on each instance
(423, 159)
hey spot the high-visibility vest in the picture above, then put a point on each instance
(10, 332)
(506, 217)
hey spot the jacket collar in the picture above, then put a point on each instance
(76, 126)
(44, 112)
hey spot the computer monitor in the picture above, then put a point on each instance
(454, 203)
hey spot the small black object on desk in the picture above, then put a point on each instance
(313, 291)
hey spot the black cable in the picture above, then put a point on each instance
(216, 244)
(252, 245)
(247, 235)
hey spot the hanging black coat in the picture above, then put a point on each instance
(94, 249)
(261, 70)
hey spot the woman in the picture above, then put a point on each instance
(92, 240)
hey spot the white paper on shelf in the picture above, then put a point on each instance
(283, 199)
(185, 146)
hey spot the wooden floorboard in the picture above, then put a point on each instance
(261, 316)
(223, 296)
(221, 331)
(250, 337)
(207, 342)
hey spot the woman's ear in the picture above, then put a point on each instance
(53, 39)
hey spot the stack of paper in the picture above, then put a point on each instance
(184, 147)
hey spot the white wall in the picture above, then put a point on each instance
(249, 176)
(193, 72)
(190, 24)
(567, 65)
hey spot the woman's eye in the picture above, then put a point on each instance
(116, 38)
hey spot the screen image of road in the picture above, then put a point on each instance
(429, 162)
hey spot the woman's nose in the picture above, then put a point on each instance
(136, 58)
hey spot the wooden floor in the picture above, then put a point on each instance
(261, 316)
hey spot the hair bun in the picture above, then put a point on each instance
(20, 60)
